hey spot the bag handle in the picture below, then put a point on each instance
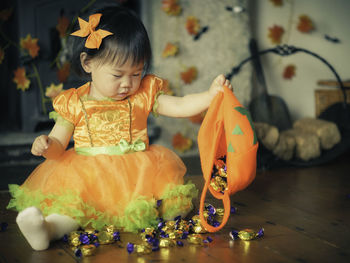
(227, 207)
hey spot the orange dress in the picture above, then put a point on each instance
(112, 175)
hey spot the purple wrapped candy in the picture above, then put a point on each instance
(116, 236)
(96, 244)
(65, 238)
(179, 243)
(260, 233)
(78, 253)
(233, 210)
(159, 202)
(84, 239)
(130, 247)
(234, 234)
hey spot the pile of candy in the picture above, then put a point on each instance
(85, 242)
(218, 179)
(169, 234)
(166, 234)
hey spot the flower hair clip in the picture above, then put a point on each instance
(94, 37)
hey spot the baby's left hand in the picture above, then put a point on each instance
(218, 85)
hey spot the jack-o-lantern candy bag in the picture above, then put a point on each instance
(227, 146)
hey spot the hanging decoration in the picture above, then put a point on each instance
(170, 50)
(31, 45)
(62, 26)
(171, 7)
(332, 39)
(289, 72)
(189, 75)
(192, 25)
(21, 79)
(275, 34)
(305, 24)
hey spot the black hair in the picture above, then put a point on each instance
(129, 40)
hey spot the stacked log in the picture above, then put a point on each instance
(326, 131)
(305, 141)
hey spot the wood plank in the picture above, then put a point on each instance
(304, 211)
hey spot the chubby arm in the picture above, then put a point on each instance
(53, 145)
(191, 104)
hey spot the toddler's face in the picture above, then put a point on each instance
(116, 82)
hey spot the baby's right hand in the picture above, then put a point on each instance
(40, 145)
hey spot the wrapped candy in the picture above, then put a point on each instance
(74, 238)
(105, 237)
(195, 239)
(142, 249)
(246, 234)
(218, 179)
(166, 242)
(88, 250)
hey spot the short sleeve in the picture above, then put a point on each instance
(151, 88)
(65, 105)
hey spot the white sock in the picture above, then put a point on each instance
(33, 226)
(59, 225)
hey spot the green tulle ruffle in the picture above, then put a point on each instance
(138, 214)
(180, 197)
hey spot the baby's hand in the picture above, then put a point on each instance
(40, 145)
(217, 85)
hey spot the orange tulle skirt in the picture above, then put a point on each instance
(106, 185)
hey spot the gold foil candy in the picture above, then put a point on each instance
(222, 172)
(73, 238)
(199, 229)
(184, 226)
(247, 234)
(87, 250)
(142, 249)
(178, 233)
(149, 231)
(143, 236)
(196, 219)
(89, 231)
(215, 185)
(166, 242)
(195, 239)
(170, 225)
(172, 235)
(219, 180)
(105, 237)
(220, 211)
(110, 229)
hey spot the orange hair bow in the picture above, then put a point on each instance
(95, 37)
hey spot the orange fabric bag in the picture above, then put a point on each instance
(227, 130)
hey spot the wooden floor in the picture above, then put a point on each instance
(305, 213)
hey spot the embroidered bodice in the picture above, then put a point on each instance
(100, 123)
